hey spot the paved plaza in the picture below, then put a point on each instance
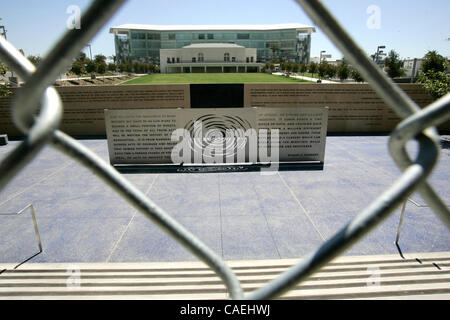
(242, 215)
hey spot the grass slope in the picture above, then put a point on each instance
(210, 78)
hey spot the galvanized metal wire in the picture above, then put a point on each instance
(43, 129)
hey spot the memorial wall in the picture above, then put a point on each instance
(353, 108)
(216, 136)
(84, 106)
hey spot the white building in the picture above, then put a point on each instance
(412, 67)
(209, 58)
(286, 41)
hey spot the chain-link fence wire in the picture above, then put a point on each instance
(43, 129)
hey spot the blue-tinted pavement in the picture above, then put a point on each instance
(239, 215)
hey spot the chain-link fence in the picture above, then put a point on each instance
(42, 129)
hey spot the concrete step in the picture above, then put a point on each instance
(424, 275)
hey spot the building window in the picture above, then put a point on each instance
(258, 35)
(226, 57)
(251, 59)
(193, 59)
(171, 36)
(201, 36)
(154, 36)
(178, 60)
(200, 57)
(168, 59)
(210, 36)
(247, 60)
(173, 60)
(233, 59)
(138, 36)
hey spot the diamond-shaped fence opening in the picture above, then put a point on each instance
(418, 124)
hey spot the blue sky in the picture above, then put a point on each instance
(411, 27)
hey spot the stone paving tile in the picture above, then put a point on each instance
(249, 236)
(294, 236)
(144, 241)
(422, 230)
(239, 215)
(72, 239)
(18, 239)
(193, 195)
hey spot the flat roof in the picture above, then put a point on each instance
(211, 27)
(213, 45)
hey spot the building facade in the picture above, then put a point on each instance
(412, 67)
(209, 58)
(287, 42)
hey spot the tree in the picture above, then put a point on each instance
(99, 58)
(113, 58)
(331, 71)
(122, 67)
(275, 60)
(4, 91)
(322, 69)
(393, 65)
(3, 69)
(343, 71)
(433, 61)
(289, 65)
(101, 67)
(112, 67)
(78, 68)
(81, 57)
(91, 66)
(437, 84)
(303, 68)
(268, 66)
(356, 76)
(433, 78)
(153, 68)
(126, 67)
(312, 67)
(34, 60)
(136, 67)
(274, 49)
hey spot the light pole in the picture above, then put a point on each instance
(90, 55)
(379, 52)
(90, 52)
(320, 59)
(4, 30)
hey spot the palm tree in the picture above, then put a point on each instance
(274, 49)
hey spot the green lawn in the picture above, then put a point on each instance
(210, 78)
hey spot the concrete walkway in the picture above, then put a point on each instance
(305, 78)
(89, 78)
(239, 215)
